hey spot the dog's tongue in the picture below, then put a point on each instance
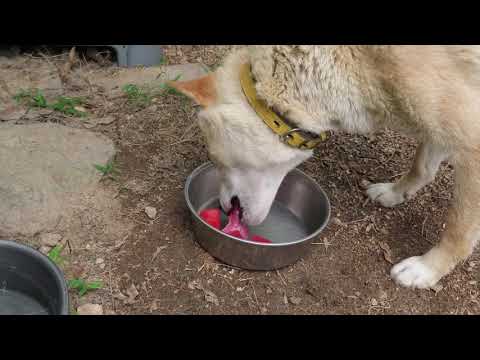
(235, 227)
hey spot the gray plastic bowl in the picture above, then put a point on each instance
(298, 193)
(30, 283)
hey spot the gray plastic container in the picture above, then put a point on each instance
(138, 55)
(30, 283)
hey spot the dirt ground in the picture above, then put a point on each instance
(156, 267)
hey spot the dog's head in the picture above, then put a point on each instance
(251, 160)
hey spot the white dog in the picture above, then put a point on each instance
(429, 92)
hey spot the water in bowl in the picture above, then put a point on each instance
(16, 303)
(280, 226)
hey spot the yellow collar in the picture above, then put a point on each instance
(294, 137)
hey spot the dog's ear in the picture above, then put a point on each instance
(202, 91)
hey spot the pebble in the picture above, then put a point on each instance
(99, 261)
(337, 221)
(45, 250)
(90, 309)
(151, 212)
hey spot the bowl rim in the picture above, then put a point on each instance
(317, 232)
(49, 265)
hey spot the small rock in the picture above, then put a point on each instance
(151, 212)
(240, 289)
(263, 310)
(295, 300)
(45, 249)
(99, 261)
(80, 108)
(153, 306)
(102, 266)
(90, 309)
(337, 221)
(437, 288)
(473, 282)
(50, 239)
(269, 291)
(374, 302)
(357, 293)
(153, 108)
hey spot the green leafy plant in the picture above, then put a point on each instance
(166, 89)
(55, 254)
(63, 104)
(68, 106)
(163, 60)
(80, 285)
(136, 95)
(31, 98)
(83, 286)
(108, 169)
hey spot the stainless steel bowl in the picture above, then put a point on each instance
(300, 212)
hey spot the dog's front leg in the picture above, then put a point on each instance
(427, 161)
(459, 239)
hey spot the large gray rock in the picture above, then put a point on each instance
(148, 76)
(43, 167)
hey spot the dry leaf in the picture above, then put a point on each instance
(92, 122)
(387, 253)
(211, 297)
(132, 293)
(369, 227)
(120, 296)
(192, 285)
(295, 300)
(159, 249)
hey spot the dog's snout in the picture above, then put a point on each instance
(235, 201)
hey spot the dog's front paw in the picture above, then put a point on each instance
(385, 194)
(414, 273)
